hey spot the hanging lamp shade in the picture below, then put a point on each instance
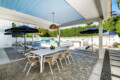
(53, 26)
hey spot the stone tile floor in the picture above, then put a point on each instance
(80, 69)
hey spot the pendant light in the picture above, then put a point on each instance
(53, 26)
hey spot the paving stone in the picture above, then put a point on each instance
(80, 69)
(115, 78)
(116, 63)
(115, 58)
(115, 70)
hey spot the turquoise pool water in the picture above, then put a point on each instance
(46, 41)
(51, 42)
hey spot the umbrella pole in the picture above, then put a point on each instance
(16, 41)
(113, 38)
(25, 42)
(32, 38)
(92, 41)
(109, 40)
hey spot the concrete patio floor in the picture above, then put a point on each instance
(80, 69)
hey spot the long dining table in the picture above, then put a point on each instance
(42, 52)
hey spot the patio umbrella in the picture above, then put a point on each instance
(22, 30)
(109, 33)
(91, 31)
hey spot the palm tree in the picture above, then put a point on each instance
(118, 4)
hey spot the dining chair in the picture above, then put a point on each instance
(62, 57)
(32, 60)
(51, 60)
(68, 55)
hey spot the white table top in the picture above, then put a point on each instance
(42, 52)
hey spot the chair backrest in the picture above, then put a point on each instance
(27, 47)
(21, 45)
(70, 52)
(63, 54)
(27, 58)
(54, 57)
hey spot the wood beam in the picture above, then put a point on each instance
(80, 22)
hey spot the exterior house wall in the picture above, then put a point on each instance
(5, 40)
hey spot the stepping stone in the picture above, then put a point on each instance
(115, 52)
(114, 78)
(115, 58)
(117, 55)
(115, 70)
(116, 63)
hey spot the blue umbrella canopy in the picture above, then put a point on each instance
(8, 33)
(110, 33)
(22, 29)
(91, 31)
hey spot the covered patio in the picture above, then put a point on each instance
(67, 13)
(80, 69)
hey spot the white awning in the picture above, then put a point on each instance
(67, 12)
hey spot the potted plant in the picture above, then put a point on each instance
(52, 47)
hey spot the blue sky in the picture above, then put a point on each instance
(114, 7)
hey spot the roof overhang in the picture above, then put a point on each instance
(81, 22)
(21, 17)
(91, 10)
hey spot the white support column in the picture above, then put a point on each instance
(32, 38)
(101, 53)
(58, 36)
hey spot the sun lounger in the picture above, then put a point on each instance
(86, 48)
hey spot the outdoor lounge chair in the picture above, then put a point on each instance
(21, 48)
(32, 60)
(52, 60)
(30, 48)
(87, 48)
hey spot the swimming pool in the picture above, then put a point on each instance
(46, 42)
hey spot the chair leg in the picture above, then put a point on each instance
(25, 67)
(61, 63)
(44, 63)
(51, 68)
(72, 58)
(58, 66)
(66, 61)
(29, 70)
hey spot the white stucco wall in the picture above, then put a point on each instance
(87, 40)
(5, 40)
(78, 41)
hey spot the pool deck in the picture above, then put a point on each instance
(3, 57)
(80, 69)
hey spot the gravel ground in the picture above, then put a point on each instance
(106, 73)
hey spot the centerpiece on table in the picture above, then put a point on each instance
(52, 47)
